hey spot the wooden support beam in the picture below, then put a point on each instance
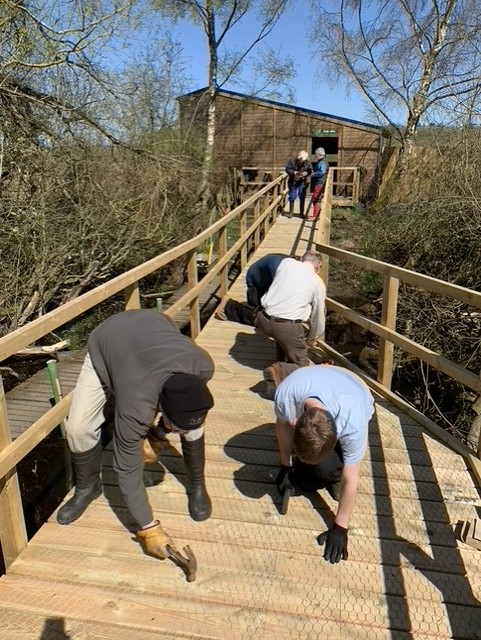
(13, 533)
(388, 319)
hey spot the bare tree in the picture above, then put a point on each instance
(147, 88)
(411, 59)
(218, 20)
(46, 62)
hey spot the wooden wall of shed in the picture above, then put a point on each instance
(250, 134)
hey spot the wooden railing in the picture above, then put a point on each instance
(261, 209)
(385, 330)
(345, 182)
(263, 206)
(345, 186)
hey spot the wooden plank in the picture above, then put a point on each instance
(246, 559)
(468, 296)
(439, 362)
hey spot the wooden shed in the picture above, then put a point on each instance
(256, 132)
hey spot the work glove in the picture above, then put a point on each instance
(336, 543)
(283, 480)
(154, 541)
(152, 444)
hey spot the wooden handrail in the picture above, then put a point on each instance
(274, 194)
(19, 339)
(12, 532)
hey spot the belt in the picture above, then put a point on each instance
(274, 319)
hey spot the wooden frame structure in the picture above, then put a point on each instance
(264, 206)
(345, 182)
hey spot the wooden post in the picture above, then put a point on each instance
(324, 232)
(194, 309)
(242, 230)
(257, 232)
(357, 186)
(224, 273)
(13, 534)
(388, 319)
(132, 296)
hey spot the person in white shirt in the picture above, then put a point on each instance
(293, 310)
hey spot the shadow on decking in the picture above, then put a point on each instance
(454, 587)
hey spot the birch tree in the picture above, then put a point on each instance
(218, 20)
(411, 59)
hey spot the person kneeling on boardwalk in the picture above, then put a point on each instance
(157, 376)
(323, 413)
(259, 278)
(293, 310)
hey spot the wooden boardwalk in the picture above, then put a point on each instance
(261, 575)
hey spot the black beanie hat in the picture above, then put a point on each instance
(185, 399)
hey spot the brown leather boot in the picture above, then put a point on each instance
(273, 378)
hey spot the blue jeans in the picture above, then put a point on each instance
(297, 190)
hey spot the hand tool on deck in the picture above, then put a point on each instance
(188, 562)
(285, 487)
(286, 496)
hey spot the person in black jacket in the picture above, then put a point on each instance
(158, 378)
(298, 169)
(259, 278)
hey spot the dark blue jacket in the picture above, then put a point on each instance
(319, 175)
(260, 275)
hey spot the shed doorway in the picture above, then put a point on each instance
(330, 144)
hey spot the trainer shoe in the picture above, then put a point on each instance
(273, 377)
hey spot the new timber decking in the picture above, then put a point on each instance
(261, 575)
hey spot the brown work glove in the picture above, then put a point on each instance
(152, 444)
(154, 541)
(150, 450)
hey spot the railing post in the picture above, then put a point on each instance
(224, 273)
(257, 232)
(13, 534)
(132, 296)
(388, 319)
(194, 309)
(324, 232)
(242, 230)
(356, 186)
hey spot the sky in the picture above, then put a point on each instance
(289, 36)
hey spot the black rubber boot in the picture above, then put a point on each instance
(291, 209)
(302, 206)
(86, 467)
(200, 506)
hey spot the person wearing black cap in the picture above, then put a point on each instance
(158, 378)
